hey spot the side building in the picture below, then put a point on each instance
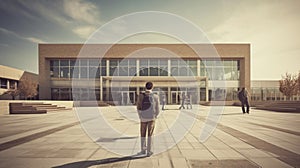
(118, 72)
(10, 78)
(268, 90)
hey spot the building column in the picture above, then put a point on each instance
(206, 89)
(169, 95)
(101, 88)
(198, 92)
(7, 84)
(198, 67)
(169, 67)
(138, 68)
(107, 89)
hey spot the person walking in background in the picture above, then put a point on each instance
(163, 102)
(243, 96)
(182, 100)
(188, 101)
(148, 110)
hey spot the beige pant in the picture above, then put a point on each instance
(147, 127)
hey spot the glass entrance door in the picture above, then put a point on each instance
(128, 98)
(176, 96)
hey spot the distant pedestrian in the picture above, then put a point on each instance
(148, 110)
(188, 101)
(243, 96)
(182, 101)
(163, 102)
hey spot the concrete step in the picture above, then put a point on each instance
(29, 112)
(33, 108)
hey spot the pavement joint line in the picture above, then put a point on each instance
(32, 137)
(278, 129)
(169, 155)
(285, 155)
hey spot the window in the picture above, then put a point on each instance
(153, 67)
(3, 83)
(77, 68)
(54, 68)
(125, 67)
(181, 67)
(220, 70)
(13, 84)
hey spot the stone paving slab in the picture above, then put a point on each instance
(58, 140)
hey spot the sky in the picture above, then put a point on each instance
(270, 26)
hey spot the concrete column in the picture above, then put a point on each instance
(7, 84)
(198, 67)
(107, 67)
(169, 95)
(107, 89)
(101, 88)
(206, 89)
(169, 67)
(198, 92)
(138, 68)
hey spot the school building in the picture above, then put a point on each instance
(10, 78)
(119, 72)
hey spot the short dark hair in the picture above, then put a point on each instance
(149, 85)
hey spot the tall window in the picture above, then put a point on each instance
(153, 67)
(181, 67)
(80, 68)
(54, 68)
(3, 83)
(220, 70)
(64, 68)
(125, 67)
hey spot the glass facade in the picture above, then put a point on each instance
(125, 67)
(80, 68)
(181, 67)
(266, 94)
(220, 70)
(93, 68)
(153, 67)
(227, 70)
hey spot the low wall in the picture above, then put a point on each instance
(4, 104)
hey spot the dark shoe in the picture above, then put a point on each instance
(143, 152)
(149, 154)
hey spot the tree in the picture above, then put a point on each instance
(13, 93)
(298, 82)
(288, 85)
(27, 88)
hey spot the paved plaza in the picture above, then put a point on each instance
(203, 137)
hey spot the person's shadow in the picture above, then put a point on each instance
(88, 163)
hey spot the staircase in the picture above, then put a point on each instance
(33, 108)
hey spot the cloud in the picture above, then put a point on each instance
(82, 11)
(85, 16)
(84, 31)
(30, 39)
(271, 29)
(78, 16)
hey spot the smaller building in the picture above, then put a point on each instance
(268, 90)
(10, 77)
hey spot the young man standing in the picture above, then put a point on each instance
(243, 97)
(148, 110)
